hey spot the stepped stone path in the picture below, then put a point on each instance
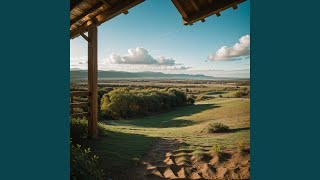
(165, 161)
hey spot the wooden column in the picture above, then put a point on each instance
(93, 81)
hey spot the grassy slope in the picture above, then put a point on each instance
(128, 140)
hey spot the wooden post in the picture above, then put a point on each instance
(93, 81)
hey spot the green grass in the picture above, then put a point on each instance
(128, 140)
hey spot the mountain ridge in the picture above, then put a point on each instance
(76, 74)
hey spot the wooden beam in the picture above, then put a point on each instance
(93, 81)
(74, 4)
(79, 105)
(84, 36)
(194, 5)
(77, 115)
(180, 9)
(105, 16)
(79, 93)
(106, 3)
(216, 8)
(85, 13)
(125, 12)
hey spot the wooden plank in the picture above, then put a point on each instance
(77, 115)
(106, 3)
(218, 6)
(194, 5)
(85, 13)
(84, 36)
(180, 9)
(79, 93)
(104, 16)
(74, 4)
(93, 81)
(78, 105)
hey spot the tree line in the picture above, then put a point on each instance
(124, 103)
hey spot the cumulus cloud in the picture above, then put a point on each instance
(165, 61)
(139, 56)
(242, 48)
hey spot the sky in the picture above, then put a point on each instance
(152, 38)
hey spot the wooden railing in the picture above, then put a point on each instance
(78, 104)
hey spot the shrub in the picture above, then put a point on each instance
(79, 128)
(216, 149)
(202, 98)
(220, 96)
(123, 103)
(83, 164)
(218, 128)
(190, 100)
(223, 156)
(242, 148)
(242, 92)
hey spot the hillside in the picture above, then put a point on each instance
(82, 75)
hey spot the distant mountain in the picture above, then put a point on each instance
(76, 74)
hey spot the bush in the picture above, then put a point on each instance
(79, 128)
(123, 103)
(216, 149)
(242, 148)
(223, 156)
(202, 98)
(190, 100)
(243, 92)
(83, 164)
(218, 128)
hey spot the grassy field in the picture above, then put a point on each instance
(128, 140)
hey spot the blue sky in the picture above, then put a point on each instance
(158, 40)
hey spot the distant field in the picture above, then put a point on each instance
(182, 129)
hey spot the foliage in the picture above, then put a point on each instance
(123, 103)
(190, 100)
(242, 148)
(79, 128)
(242, 92)
(203, 97)
(223, 156)
(83, 165)
(218, 128)
(216, 149)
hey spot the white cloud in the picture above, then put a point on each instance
(242, 48)
(139, 56)
(165, 61)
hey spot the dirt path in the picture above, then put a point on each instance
(165, 161)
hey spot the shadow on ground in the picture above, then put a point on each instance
(239, 129)
(165, 120)
(119, 151)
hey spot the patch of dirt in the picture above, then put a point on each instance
(164, 162)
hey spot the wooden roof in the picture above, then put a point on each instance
(84, 13)
(195, 10)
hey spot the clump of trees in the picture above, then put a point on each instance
(123, 103)
(242, 92)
